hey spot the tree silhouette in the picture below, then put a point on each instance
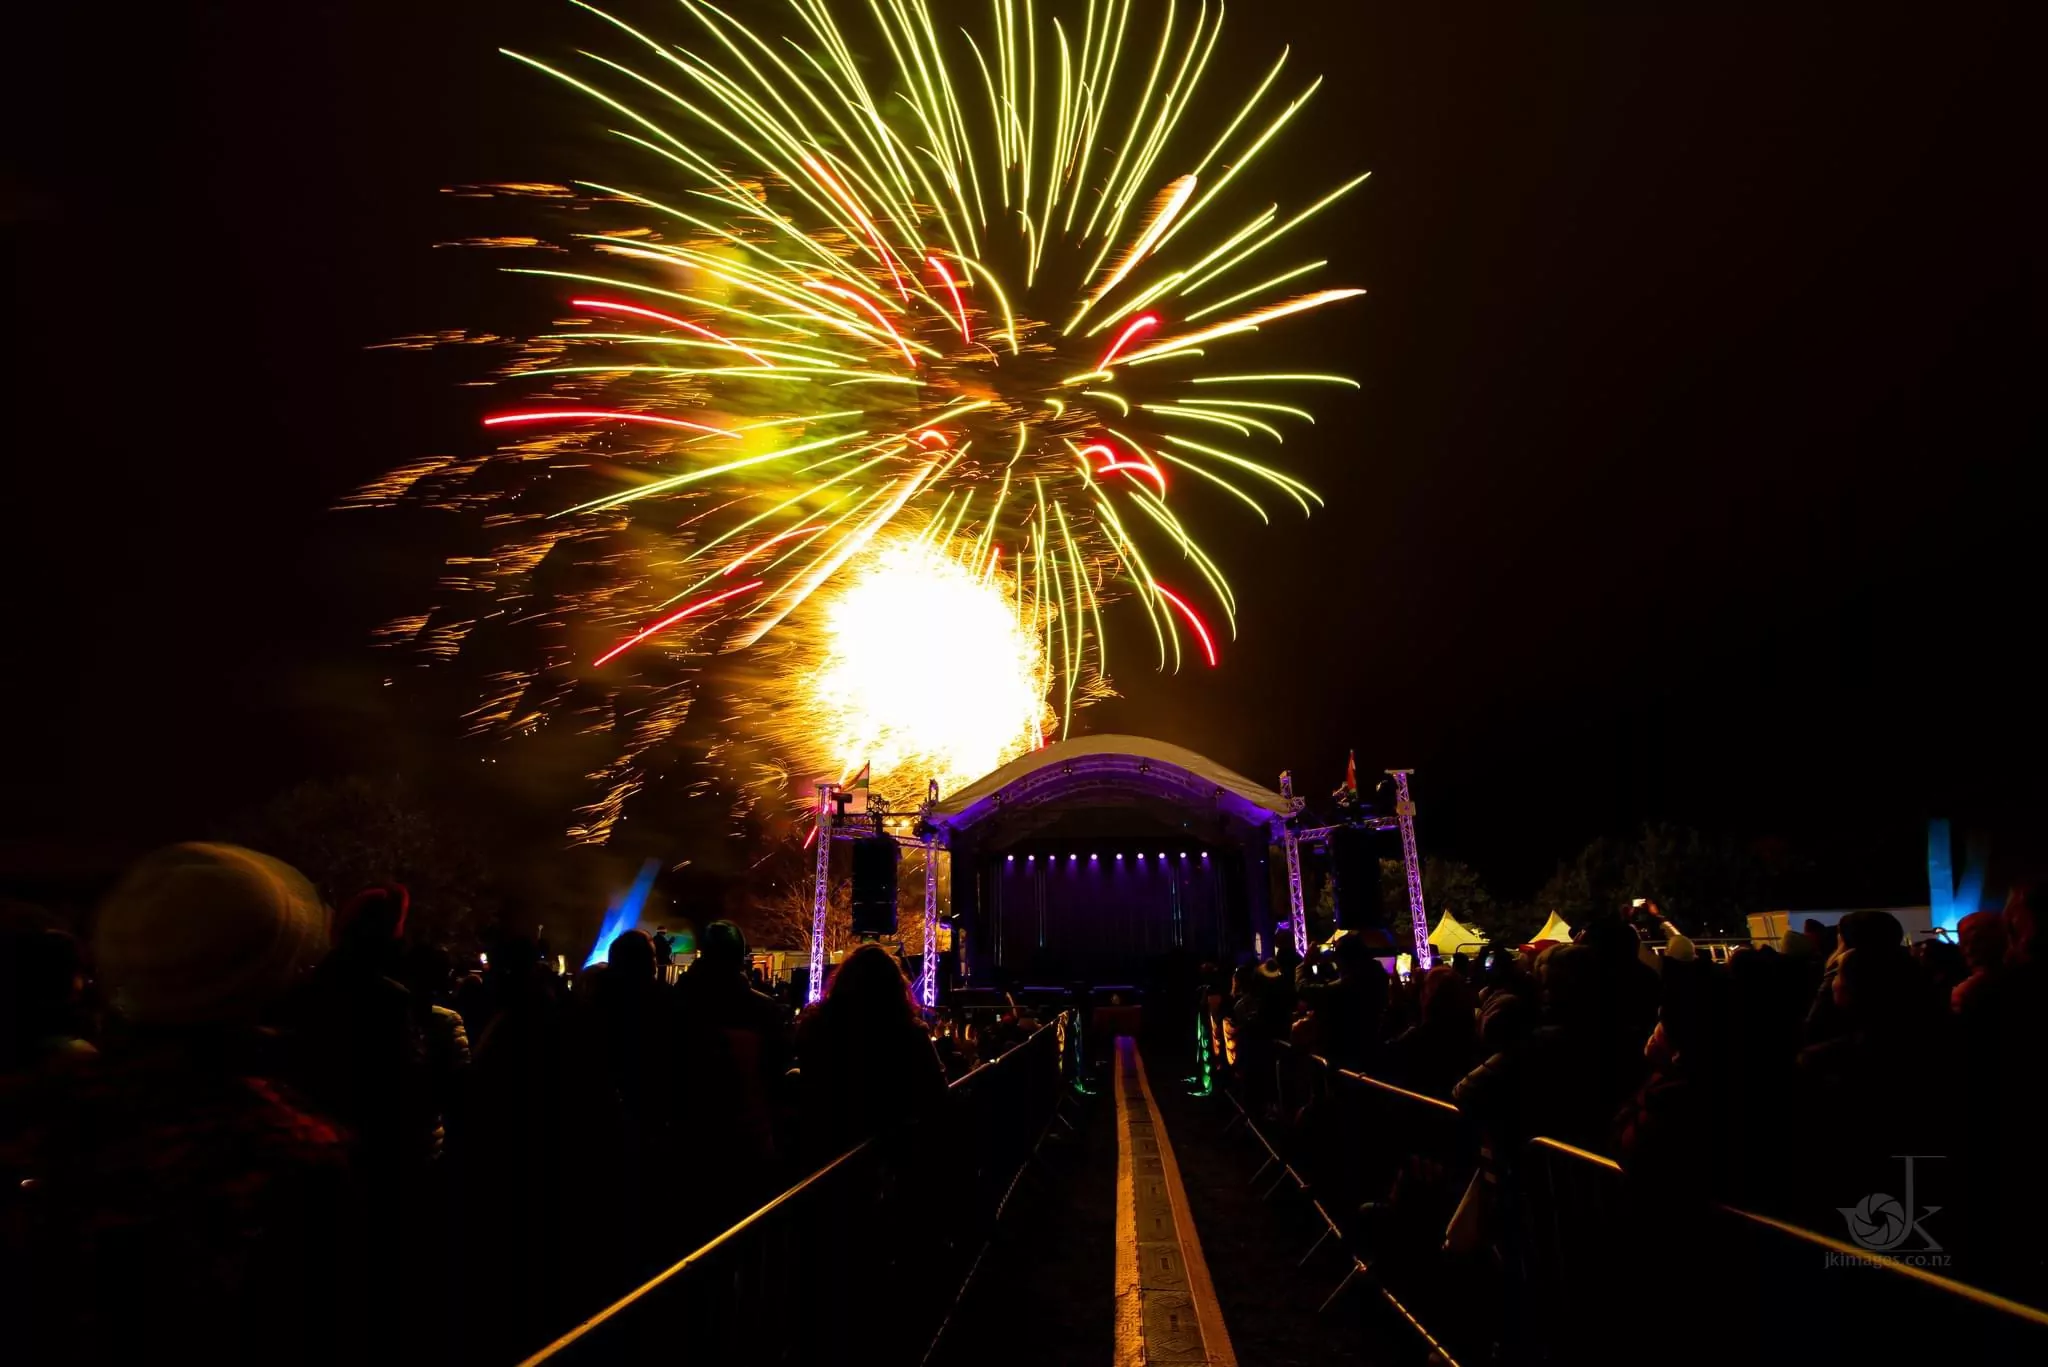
(345, 834)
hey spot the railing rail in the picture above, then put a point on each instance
(870, 1249)
(1549, 1254)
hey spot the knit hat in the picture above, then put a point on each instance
(377, 912)
(723, 943)
(1679, 947)
(206, 933)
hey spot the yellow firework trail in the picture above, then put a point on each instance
(802, 372)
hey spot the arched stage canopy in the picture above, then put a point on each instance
(1108, 771)
(1094, 854)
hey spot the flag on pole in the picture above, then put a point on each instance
(1347, 792)
(857, 789)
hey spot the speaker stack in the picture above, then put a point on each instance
(874, 887)
(1355, 869)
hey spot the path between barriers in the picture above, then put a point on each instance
(1166, 1307)
(1137, 1238)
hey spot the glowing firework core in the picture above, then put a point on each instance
(928, 672)
(913, 352)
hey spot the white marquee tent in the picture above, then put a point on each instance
(1451, 935)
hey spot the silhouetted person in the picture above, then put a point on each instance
(735, 1047)
(188, 1207)
(1680, 1126)
(1442, 1046)
(1567, 1079)
(625, 1037)
(628, 1010)
(1768, 998)
(2004, 1025)
(1823, 940)
(1877, 930)
(535, 1141)
(364, 1054)
(44, 1049)
(1269, 1003)
(430, 979)
(1981, 936)
(1882, 1084)
(1629, 992)
(1344, 1017)
(867, 1061)
(43, 1019)
(1508, 1014)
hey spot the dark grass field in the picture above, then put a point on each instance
(1042, 1293)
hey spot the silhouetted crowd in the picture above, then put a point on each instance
(236, 1126)
(1791, 1078)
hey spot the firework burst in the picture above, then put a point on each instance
(919, 319)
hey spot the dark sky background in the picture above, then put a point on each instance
(1690, 478)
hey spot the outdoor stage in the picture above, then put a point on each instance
(1091, 857)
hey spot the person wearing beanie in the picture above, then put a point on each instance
(193, 1209)
(374, 916)
(206, 934)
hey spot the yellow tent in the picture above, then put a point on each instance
(1451, 936)
(1553, 929)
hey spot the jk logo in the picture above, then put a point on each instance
(1882, 1223)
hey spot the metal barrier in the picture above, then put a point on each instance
(864, 1257)
(1550, 1255)
(1778, 1293)
(1381, 1169)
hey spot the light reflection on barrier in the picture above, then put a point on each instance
(895, 1222)
(1576, 1264)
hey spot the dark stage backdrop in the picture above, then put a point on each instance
(1104, 910)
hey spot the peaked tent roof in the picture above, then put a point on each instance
(1553, 929)
(1451, 934)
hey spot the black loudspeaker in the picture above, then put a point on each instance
(874, 886)
(1355, 869)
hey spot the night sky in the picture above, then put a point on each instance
(1686, 481)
